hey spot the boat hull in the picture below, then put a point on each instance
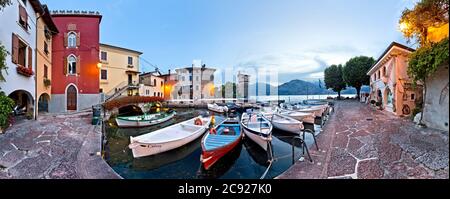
(261, 141)
(209, 158)
(137, 124)
(142, 149)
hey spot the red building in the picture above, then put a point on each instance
(75, 61)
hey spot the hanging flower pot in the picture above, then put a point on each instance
(28, 72)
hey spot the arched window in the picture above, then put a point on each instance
(72, 40)
(72, 65)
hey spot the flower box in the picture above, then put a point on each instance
(28, 72)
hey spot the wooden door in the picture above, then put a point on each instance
(71, 98)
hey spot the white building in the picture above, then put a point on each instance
(18, 35)
(195, 82)
(151, 84)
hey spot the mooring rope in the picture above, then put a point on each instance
(270, 153)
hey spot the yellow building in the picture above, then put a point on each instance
(45, 30)
(151, 84)
(119, 73)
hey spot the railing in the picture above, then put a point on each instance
(119, 89)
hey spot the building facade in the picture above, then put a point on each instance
(119, 73)
(151, 84)
(46, 28)
(195, 83)
(243, 86)
(390, 83)
(18, 36)
(75, 61)
(170, 81)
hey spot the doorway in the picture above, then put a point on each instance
(71, 98)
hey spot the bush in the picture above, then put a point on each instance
(6, 108)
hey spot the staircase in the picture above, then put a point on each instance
(119, 89)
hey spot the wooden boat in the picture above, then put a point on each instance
(285, 123)
(145, 120)
(307, 117)
(219, 141)
(257, 128)
(216, 108)
(169, 138)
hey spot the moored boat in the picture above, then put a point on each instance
(216, 108)
(219, 141)
(285, 123)
(307, 117)
(169, 138)
(257, 128)
(145, 120)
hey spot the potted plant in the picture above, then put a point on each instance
(47, 82)
(28, 72)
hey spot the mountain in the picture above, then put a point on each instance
(298, 87)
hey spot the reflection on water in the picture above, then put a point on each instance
(247, 161)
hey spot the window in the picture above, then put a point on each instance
(104, 74)
(130, 61)
(104, 56)
(154, 94)
(190, 78)
(100, 90)
(45, 71)
(46, 48)
(23, 17)
(196, 78)
(72, 65)
(162, 83)
(47, 33)
(196, 88)
(22, 54)
(212, 78)
(72, 40)
(384, 71)
(413, 97)
(154, 82)
(182, 78)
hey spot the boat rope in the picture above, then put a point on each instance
(270, 155)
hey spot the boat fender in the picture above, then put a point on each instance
(213, 131)
(198, 122)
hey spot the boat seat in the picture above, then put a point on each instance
(215, 141)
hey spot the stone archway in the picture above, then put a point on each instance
(43, 102)
(389, 99)
(23, 102)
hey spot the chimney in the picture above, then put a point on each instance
(169, 72)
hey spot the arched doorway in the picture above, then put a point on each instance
(389, 99)
(72, 98)
(23, 102)
(43, 102)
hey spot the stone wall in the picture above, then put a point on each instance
(85, 101)
(436, 102)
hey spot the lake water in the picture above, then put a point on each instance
(247, 161)
(294, 98)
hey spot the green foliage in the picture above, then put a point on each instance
(3, 54)
(4, 3)
(6, 108)
(355, 72)
(334, 79)
(426, 13)
(427, 59)
(47, 82)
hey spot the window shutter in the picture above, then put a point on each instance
(78, 65)
(30, 58)
(23, 14)
(78, 39)
(65, 39)
(15, 49)
(65, 66)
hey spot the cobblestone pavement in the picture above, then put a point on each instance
(359, 142)
(53, 147)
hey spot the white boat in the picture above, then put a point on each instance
(317, 110)
(169, 138)
(144, 120)
(216, 108)
(307, 117)
(285, 123)
(257, 128)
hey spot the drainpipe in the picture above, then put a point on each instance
(36, 103)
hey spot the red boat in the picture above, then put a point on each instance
(219, 141)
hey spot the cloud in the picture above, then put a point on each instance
(302, 64)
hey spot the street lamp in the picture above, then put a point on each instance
(99, 65)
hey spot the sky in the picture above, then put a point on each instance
(298, 38)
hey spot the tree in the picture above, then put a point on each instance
(334, 79)
(355, 72)
(427, 13)
(4, 3)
